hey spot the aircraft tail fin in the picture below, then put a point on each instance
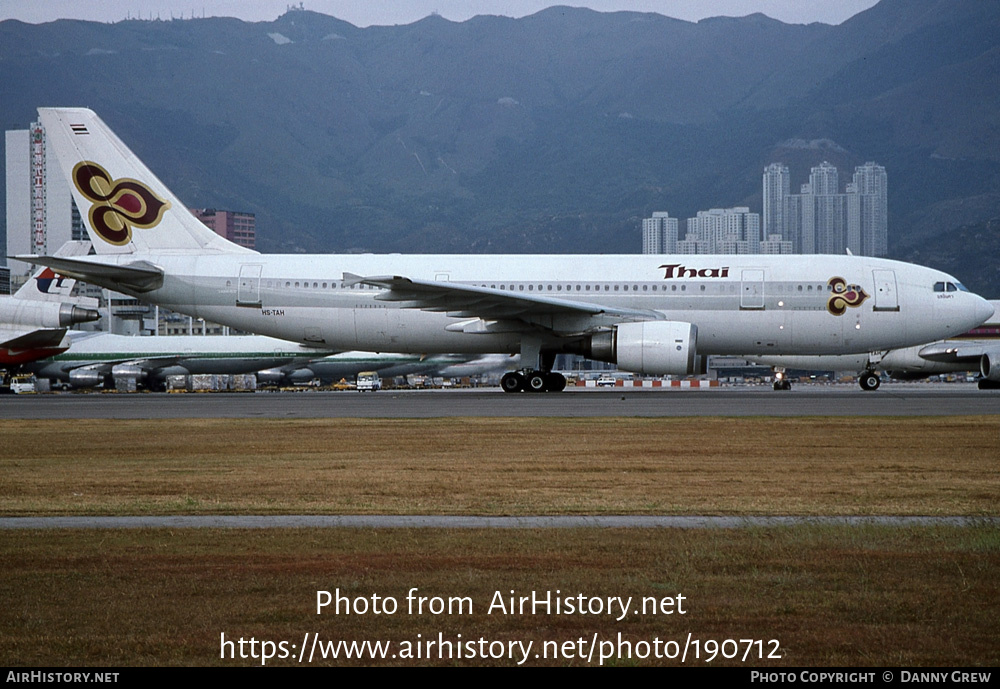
(127, 209)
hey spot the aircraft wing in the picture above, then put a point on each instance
(563, 316)
(146, 363)
(956, 352)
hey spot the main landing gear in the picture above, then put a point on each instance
(533, 381)
(540, 379)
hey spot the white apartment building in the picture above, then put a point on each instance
(41, 214)
(659, 234)
(821, 219)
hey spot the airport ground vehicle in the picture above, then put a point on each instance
(22, 384)
(369, 381)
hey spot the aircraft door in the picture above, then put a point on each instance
(248, 293)
(752, 289)
(886, 298)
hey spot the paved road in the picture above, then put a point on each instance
(804, 400)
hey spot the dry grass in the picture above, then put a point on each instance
(845, 466)
(834, 596)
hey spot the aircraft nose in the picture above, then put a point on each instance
(984, 310)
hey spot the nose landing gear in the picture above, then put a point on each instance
(869, 380)
(781, 381)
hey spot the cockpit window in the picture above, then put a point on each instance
(950, 287)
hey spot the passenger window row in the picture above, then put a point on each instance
(730, 286)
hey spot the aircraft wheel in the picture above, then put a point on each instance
(512, 381)
(537, 382)
(988, 384)
(555, 382)
(870, 381)
(782, 385)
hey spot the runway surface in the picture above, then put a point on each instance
(803, 400)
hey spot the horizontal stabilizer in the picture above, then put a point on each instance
(36, 339)
(138, 276)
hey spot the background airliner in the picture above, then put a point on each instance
(335, 367)
(34, 320)
(99, 358)
(648, 314)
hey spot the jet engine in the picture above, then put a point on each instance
(85, 378)
(40, 314)
(281, 376)
(653, 347)
(125, 371)
(271, 376)
(988, 366)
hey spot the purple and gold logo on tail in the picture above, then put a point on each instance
(119, 204)
(844, 295)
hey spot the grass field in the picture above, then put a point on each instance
(829, 595)
(490, 466)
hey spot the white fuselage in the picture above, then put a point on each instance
(740, 304)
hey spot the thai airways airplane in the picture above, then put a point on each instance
(34, 320)
(648, 314)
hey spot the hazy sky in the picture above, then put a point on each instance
(368, 12)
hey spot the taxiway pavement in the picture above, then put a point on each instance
(803, 400)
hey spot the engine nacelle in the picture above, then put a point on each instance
(42, 314)
(123, 371)
(654, 347)
(988, 366)
(271, 376)
(85, 378)
(279, 376)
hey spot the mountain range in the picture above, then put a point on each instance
(557, 132)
